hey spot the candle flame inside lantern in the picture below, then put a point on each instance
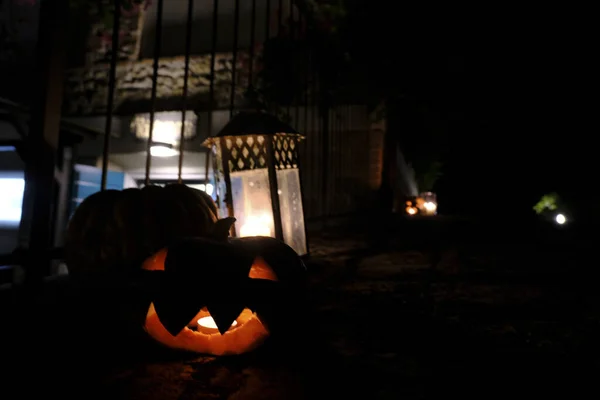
(430, 206)
(256, 226)
(209, 323)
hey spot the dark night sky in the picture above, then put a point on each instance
(507, 84)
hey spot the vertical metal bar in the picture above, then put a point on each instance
(280, 18)
(236, 28)
(346, 167)
(315, 132)
(157, 46)
(252, 39)
(330, 157)
(306, 82)
(188, 49)
(340, 158)
(267, 23)
(43, 139)
(213, 59)
(347, 144)
(325, 149)
(112, 77)
(344, 140)
(333, 182)
(341, 155)
(336, 161)
(302, 198)
(228, 195)
(318, 129)
(217, 178)
(206, 167)
(292, 67)
(319, 123)
(62, 206)
(348, 155)
(333, 162)
(211, 99)
(273, 188)
(339, 182)
(342, 186)
(268, 20)
(307, 177)
(349, 163)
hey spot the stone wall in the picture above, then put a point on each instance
(86, 89)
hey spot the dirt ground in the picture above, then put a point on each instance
(387, 324)
(402, 320)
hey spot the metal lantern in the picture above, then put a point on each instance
(428, 203)
(257, 178)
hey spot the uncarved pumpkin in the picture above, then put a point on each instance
(115, 231)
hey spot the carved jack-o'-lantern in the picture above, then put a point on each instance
(208, 294)
(224, 308)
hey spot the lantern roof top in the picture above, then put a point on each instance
(255, 123)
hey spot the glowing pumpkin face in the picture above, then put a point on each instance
(201, 335)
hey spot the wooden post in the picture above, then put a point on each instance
(42, 141)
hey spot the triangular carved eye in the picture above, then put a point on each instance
(261, 270)
(156, 262)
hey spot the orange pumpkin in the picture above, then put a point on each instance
(116, 230)
(201, 334)
(115, 239)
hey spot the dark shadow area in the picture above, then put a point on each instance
(461, 313)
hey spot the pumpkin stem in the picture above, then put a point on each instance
(222, 228)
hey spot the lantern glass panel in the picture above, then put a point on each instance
(428, 203)
(292, 213)
(219, 177)
(251, 197)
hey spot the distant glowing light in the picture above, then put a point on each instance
(411, 210)
(11, 200)
(560, 219)
(163, 151)
(208, 188)
(430, 206)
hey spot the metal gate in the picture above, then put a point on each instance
(137, 80)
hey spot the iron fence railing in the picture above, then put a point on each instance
(330, 167)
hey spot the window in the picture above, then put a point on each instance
(11, 201)
(208, 187)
